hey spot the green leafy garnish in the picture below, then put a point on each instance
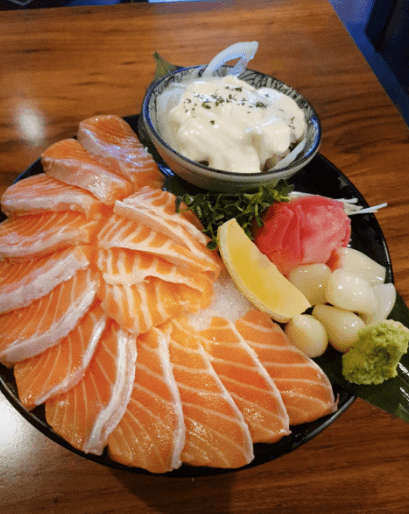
(213, 209)
(162, 67)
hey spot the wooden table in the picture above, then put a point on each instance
(59, 66)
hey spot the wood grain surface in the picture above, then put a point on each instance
(59, 66)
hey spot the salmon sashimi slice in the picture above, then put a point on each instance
(140, 307)
(120, 232)
(28, 237)
(131, 209)
(305, 389)
(69, 162)
(25, 281)
(62, 366)
(155, 205)
(30, 330)
(247, 381)
(87, 413)
(216, 433)
(113, 143)
(127, 267)
(41, 193)
(151, 434)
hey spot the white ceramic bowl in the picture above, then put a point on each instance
(219, 180)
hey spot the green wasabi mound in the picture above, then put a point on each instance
(376, 354)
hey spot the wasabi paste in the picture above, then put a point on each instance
(376, 354)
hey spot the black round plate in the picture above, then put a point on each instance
(318, 177)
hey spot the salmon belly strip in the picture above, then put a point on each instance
(62, 366)
(28, 237)
(69, 162)
(157, 209)
(112, 142)
(247, 381)
(151, 433)
(25, 281)
(162, 204)
(30, 330)
(87, 413)
(121, 232)
(126, 267)
(173, 232)
(41, 193)
(140, 307)
(305, 389)
(216, 433)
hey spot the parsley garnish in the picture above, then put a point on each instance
(213, 209)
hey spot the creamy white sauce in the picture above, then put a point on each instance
(232, 126)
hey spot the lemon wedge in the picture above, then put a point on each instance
(257, 278)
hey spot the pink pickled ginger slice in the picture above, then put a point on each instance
(305, 230)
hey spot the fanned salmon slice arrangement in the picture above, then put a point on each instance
(306, 391)
(151, 434)
(112, 142)
(247, 381)
(216, 432)
(62, 366)
(41, 193)
(32, 236)
(102, 284)
(121, 232)
(88, 412)
(30, 330)
(22, 282)
(69, 162)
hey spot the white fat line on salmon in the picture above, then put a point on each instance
(219, 434)
(300, 396)
(260, 408)
(142, 407)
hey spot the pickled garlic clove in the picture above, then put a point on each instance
(357, 262)
(342, 326)
(386, 297)
(311, 280)
(308, 334)
(347, 290)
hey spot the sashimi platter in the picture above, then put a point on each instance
(149, 326)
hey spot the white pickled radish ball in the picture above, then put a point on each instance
(342, 326)
(386, 298)
(311, 280)
(350, 291)
(359, 263)
(308, 334)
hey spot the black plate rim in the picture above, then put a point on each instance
(264, 453)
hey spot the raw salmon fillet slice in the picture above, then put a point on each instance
(154, 206)
(132, 209)
(216, 433)
(247, 381)
(305, 389)
(113, 143)
(41, 193)
(28, 237)
(120, 232)
(140, 307)
(69, 162)
(151, 434)
(87, 413)
(128, 267)
(30, 330)
(25, 281)
(62, 366)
